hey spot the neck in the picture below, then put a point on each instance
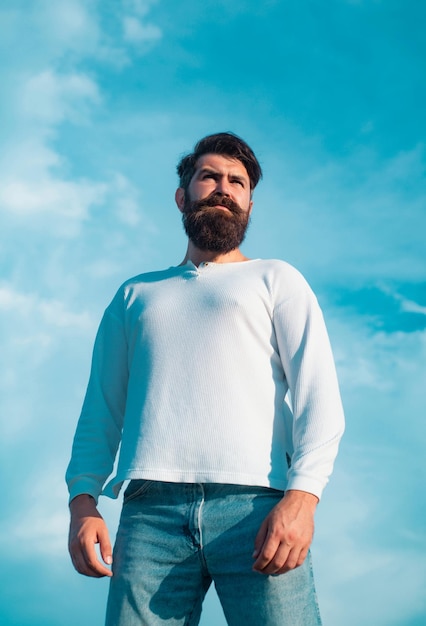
(198, 256)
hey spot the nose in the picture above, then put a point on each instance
(223, 187)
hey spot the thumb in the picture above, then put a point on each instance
(105, 546)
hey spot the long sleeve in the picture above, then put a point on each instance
(318, 421)
(99, 428)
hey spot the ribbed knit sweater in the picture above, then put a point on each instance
(190, 373)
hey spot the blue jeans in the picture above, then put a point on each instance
(174, 539)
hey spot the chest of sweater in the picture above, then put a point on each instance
(200, 311)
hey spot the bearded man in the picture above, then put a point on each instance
(216, 380)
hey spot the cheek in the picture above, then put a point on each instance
(246, 203)
(199, 190)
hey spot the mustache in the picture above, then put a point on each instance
(215, 199)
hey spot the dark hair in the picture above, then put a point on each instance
(226, 144)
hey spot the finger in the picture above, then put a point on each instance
(267, 553)
(77, 557)
(105, 547)
(279, 562)
(295, 559)
(260, 538)
(94, 566)
(82, 568)
(79, 561)
(85, 561)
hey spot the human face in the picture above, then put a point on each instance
(213, 217)
(219, 174)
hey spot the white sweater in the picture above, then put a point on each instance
(190, 372)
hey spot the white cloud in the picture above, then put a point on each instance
(63, 199)
(382, 379)
(42, 529)
(50, 97)
(412, 307)
(126, 199)
(102, 268)
(128, 211)
(32, 182)
(139, 7)
(10, 300)
(67, 27)
(31, 178)
(55, 313)
(382, 584)
(33, 330)
(50, 312)
(136, 32)
(34, 173)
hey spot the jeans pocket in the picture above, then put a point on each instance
(136, 489)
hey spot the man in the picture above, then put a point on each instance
(190, 374)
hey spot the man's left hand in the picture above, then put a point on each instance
(285, 535)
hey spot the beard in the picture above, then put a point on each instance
(214, 229)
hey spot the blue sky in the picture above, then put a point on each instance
(99, 101)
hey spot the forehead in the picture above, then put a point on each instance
(222, 164)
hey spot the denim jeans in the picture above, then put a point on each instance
(174, 539)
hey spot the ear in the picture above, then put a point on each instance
(250, 207)
(180, 198)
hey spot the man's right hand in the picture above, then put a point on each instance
(87, 528)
